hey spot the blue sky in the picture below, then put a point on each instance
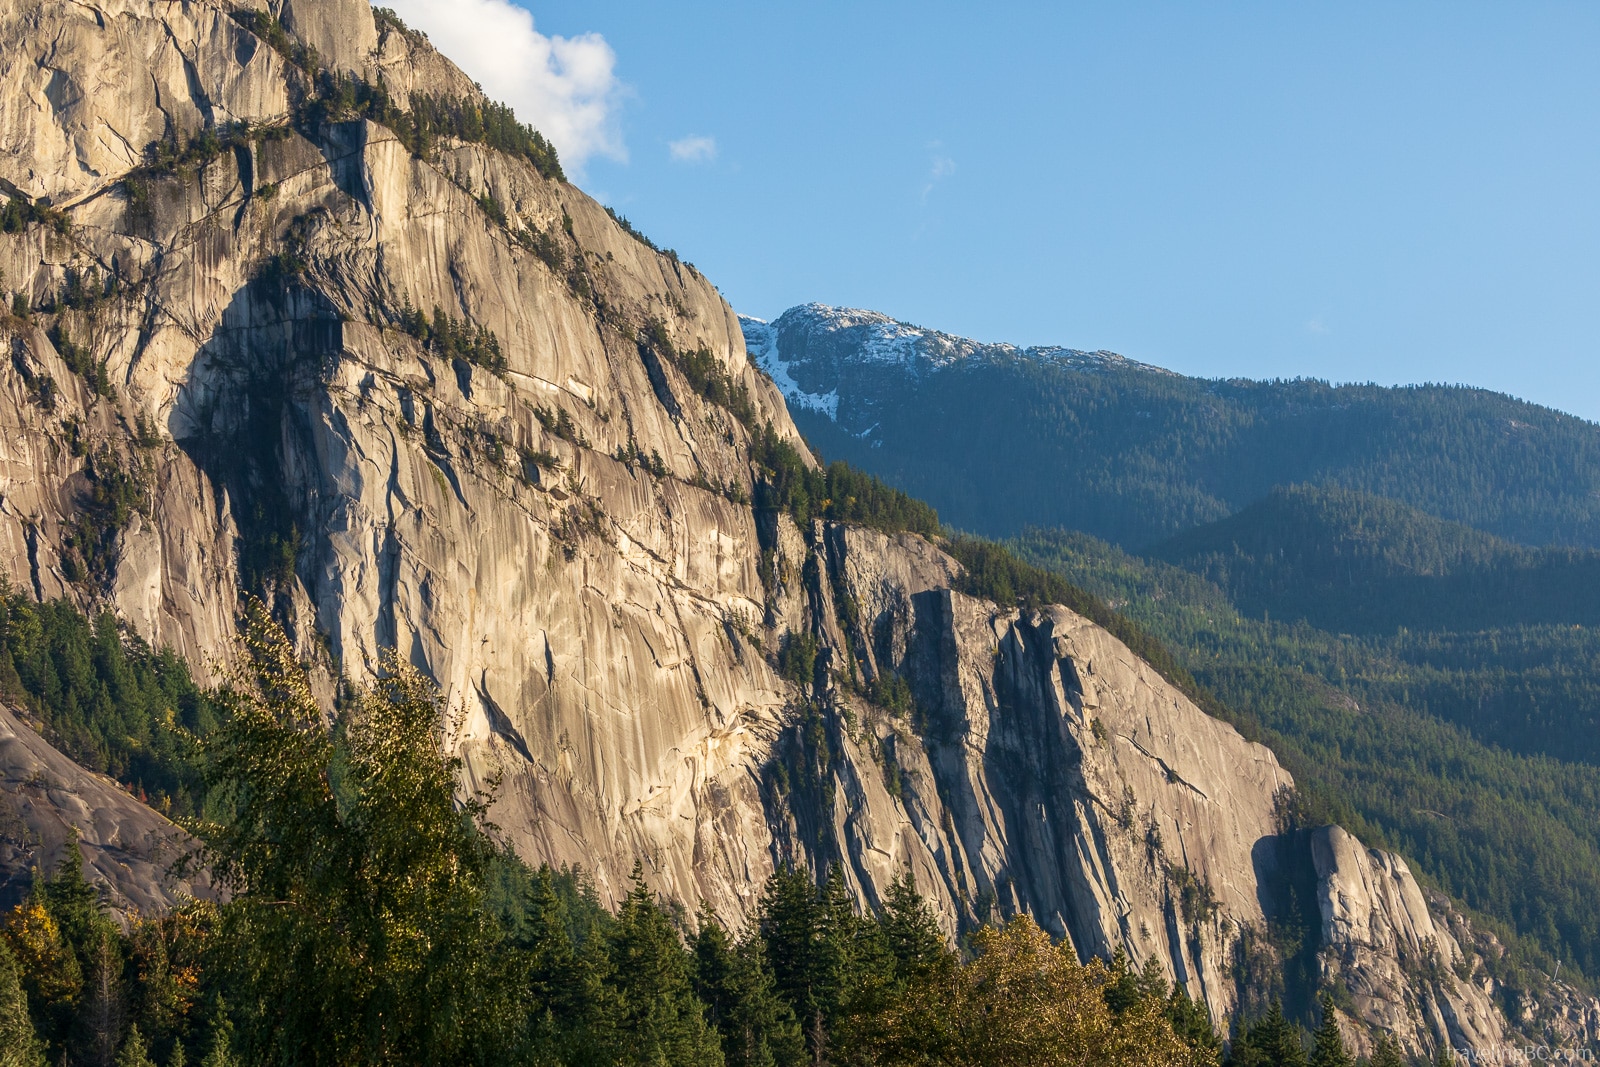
(1395, 192)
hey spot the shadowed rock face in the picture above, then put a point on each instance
(129, 850)
(563, 542)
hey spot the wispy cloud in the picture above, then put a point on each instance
(565, 87)
(1316, 325)
(940, 167)
(693, 149)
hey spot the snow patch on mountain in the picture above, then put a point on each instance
(816, 353)
(761, 341)
(878, 338)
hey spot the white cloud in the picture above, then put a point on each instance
(693, 149)
(564, 87)
(942, 166)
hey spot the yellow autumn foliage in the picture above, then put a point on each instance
(42, 953)
(1027, 1002)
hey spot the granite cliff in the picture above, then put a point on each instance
(421, 393)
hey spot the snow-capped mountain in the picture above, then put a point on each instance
(838, 362)
(1000, 437)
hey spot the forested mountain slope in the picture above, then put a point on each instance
(1355, 563)
(1400, 737)
(999, 438)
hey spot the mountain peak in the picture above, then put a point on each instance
(810, 347)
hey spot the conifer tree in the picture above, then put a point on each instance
(661, 1019)
(19, 1042)
(1386, 1053)
(1153, 978)
(790, 923)
(1327, 1045)
(1272, 1041)
(104, 1011)
(1128, 988)
(1191, 1020)
(713, 968)
(912, 933)
(221, 1054)
(735, 983)
(161, 998)
(135, 1051)
(842, 942)
(860, 968)
(569, 1002)
(1124, 991)
(71, 946)
(74, 904)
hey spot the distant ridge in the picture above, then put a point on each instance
(841, 336)
(1350, 562)
(1000, 437)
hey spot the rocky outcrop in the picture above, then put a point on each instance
(46, 799)
(1404, 960)
(89, 86)
(1404, 972)
(435, 401)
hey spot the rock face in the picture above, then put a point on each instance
(434, 401)
(1414, 967)
(127, 849)
(1405, 972)
(1045, 768)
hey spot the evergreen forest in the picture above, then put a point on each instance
(1454, 749)
(1136, 455)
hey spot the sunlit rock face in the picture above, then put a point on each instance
(549, 517)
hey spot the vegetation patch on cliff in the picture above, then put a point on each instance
(106, 698)
(81, 361)
(453, 338)
(20, 213)
(707, 375)
(116, 491)
(838, 493)
(424, 121)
